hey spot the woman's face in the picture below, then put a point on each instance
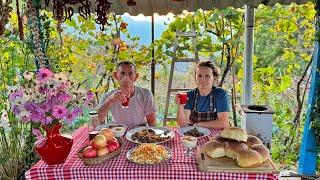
(204, 78)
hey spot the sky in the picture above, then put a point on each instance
(141, 26)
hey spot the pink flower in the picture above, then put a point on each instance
(46, 106)
(17, 94)
(37, 115)
(64, 97)
(38, 134)
(90, 96)
(44, 75)
(70, 117)
(48, 120)
(59, 111)
(77, 111)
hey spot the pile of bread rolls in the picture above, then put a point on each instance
(234, 143)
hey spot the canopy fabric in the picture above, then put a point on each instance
(163, 7)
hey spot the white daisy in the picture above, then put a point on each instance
(28, 75)
(4, 115)
(18, 101)
(12, 89)
(60, 77)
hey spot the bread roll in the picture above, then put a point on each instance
(249, 158)
(235, 133)
(218, 138)
(252, 140)
(214, 149)
(232, 148)
(262, 150)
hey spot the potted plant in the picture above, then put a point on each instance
(49, 99)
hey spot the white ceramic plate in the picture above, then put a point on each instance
(128, 155)
(109, 125)
(203, 130)
(162, 131)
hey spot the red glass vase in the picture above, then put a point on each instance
(55, 148)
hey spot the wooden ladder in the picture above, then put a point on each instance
(175, 59)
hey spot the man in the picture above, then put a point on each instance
(140, 109)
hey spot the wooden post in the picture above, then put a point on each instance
(153, 62)
(309, 150)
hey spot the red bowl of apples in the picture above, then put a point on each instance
(101, 148)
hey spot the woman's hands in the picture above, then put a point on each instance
(177, 99)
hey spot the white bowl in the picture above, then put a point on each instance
(118, 131)
(189, 141)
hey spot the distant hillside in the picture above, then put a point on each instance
(142, 28)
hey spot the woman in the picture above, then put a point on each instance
(207, 105)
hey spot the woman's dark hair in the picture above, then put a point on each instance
(215, 69)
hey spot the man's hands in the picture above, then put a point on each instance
(117, 96)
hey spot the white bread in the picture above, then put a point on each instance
(252, 140)
(233, 148)
(235, 133)
(218, 138)
(249, 158)
(214, 149)
(262, 150)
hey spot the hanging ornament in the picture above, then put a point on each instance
(123, 25)
(84, 9)
(131, 3)
(103, 7)
(63, 9)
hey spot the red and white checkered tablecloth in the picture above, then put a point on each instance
(178, 167)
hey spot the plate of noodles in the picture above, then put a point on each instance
(149, 154)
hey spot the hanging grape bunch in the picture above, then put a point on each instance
(5, 10)
(103, 7)
(63, 10)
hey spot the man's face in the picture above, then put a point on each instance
(126, 75)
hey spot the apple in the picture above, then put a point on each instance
(113, 145)
(90, 152)
(108, 133)
(99, 141)
(103, 151)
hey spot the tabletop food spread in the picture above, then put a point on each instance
(120, 152)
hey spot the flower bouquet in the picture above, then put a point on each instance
(47, 99)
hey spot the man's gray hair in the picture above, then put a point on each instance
(126, 63)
